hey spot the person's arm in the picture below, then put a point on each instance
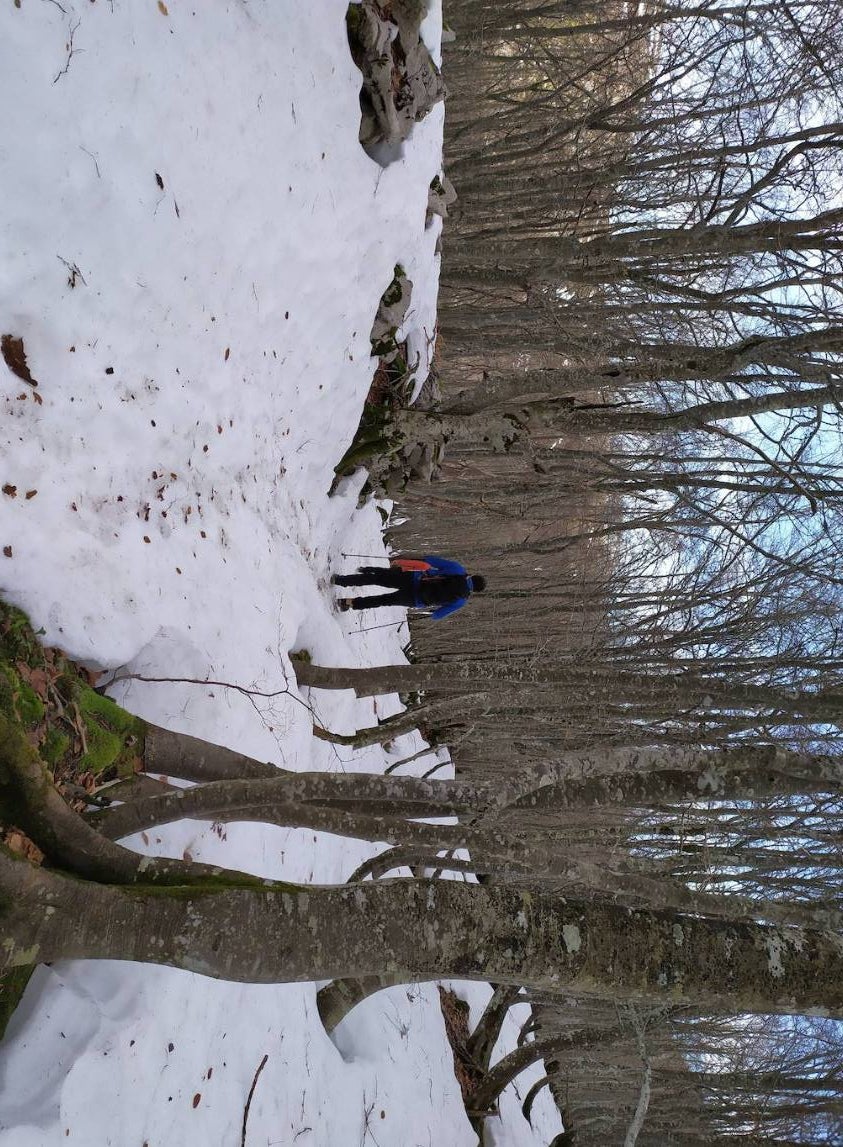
(444, 565)
(451, 607)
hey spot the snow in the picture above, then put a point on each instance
(192, 248)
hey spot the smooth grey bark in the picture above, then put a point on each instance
(190, 759)
(481, 1042)
(421, 930)
(648, 252)
(379, 808)
(386, 730)
(704, 413)
(29, 800)
(511, 1066)
(532, 1094)
(337, 999)
(629, 364)
(503, 853)
(685, 687)
(388, 796)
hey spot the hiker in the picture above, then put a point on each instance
(417, 583)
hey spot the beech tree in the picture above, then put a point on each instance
(100, 900)
(254, 931)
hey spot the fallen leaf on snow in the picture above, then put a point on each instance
(14, 356)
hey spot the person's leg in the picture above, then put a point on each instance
(399, 597)
(375, 575)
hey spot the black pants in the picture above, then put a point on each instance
(398, 580)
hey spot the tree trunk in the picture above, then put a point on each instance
(481, 1043)
(699, 416)
(390, 797)
(421, 930)
(186, 757)
(511, 1066)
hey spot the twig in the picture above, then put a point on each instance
(73, 271)
(79, 726)
(367, 1117)
(93, 157)
(261, 1066)
(250, 693)
(71, 51)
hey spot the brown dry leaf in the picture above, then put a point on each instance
(19, 843)
(162, 8)
(10, 490)
(39, 681)
(14, 356)
(197, 1097)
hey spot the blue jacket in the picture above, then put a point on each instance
(440, 566)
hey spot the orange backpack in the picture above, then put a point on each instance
(410, 565)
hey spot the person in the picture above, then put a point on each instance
(430, 582)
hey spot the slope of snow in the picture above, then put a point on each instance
(192, 248)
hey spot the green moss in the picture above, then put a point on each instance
(6, 694)
(12, 986)
(103, 748)
(354, 31)
(29, 705)
(114, 737)
(353, 17)
(18, 640)
(93, 704)
(385, 345)
(74, 712)
(211, 885)
(393, 292)
(55, 745)
(19, 699)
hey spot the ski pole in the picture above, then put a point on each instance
(386, 625)
(373, 557)
(369, 628)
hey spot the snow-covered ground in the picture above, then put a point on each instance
(192, 248)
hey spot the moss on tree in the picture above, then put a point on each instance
(12, 986)
(74, 728)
